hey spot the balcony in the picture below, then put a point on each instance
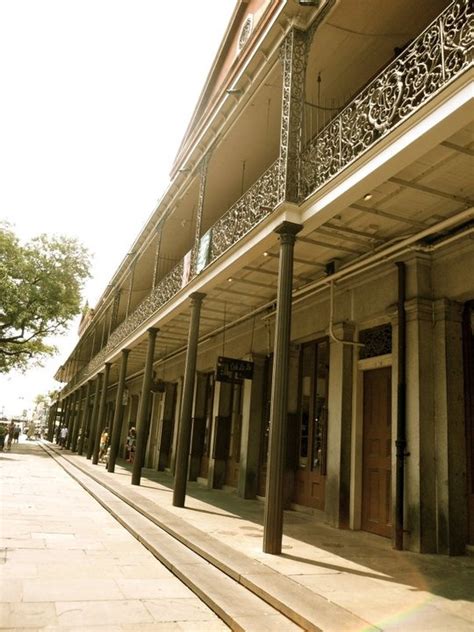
(439, 55)
(434, 59)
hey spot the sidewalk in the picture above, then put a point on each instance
(67, 564)
(357, 572)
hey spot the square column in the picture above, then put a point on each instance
(450, 428)
(251, 432)
(420, 468)
(338, 481)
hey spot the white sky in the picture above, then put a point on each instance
(95, 98)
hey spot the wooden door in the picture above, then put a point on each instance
(377, 452)
(310, 478)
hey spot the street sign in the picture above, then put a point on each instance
(230, 369)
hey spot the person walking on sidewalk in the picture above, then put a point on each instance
(63, 437)
(3, 434)
(11, 432)
(104, 440)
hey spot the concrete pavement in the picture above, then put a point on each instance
(349, 572)
(66, 564)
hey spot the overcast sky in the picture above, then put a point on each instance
(95, 98)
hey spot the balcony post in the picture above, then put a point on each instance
(143, 419)
(200, 209)
(101, 415)
(95, 410)
(84, 418)
(71, 418)
(184, 431)
(77, 419)
(294, 57)
(156, 265)
(273, 519)
(118, 413)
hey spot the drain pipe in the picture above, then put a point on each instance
(401, 440)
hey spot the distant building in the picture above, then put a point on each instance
(314, 248)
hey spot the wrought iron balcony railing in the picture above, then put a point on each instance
(440, 54)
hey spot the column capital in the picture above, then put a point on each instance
(446, 309)
(197, 297)
(125, 352)
(288, 228)
(153, 331)
(419, 309)
(343, 330)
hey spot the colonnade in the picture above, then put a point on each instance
(85, 421)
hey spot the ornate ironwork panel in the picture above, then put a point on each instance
(377, 341)
(258, 202)
(294, 57)
(433, 59)
(200, 208)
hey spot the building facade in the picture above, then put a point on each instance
(295, 321)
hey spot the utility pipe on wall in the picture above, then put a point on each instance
(401, 440)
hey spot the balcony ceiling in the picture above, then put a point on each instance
(358, 39)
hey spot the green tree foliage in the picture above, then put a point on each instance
(40, 292)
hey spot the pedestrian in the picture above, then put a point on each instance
(130, 445)
(63, 437)
(104, 440)
(16, 434)
(3, 432)
(30, 435)
(11, 432)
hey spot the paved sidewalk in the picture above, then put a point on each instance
(356, 571)
(66, 564)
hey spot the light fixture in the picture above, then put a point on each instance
(236, 91)
(265, 254)
(368, 196)
(230, 279)
(309, 3)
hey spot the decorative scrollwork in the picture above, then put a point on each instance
(377, 341)
(246, 213)
(433, 59)
(294, 58)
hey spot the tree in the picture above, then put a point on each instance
(40, 292)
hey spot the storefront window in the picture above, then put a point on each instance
(313, 406)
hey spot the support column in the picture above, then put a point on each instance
(95, 410)
(338, 481)
(273, 519)
(156, 265)
(143, 420)
(294, 57)
(72, 417)
(64, 410)
(84, 418)
(77, 419)
(450, 428)
(184, 432)
(101, 415)
(118, 413)
(130, 289)
(51, 419)
(200, 208)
